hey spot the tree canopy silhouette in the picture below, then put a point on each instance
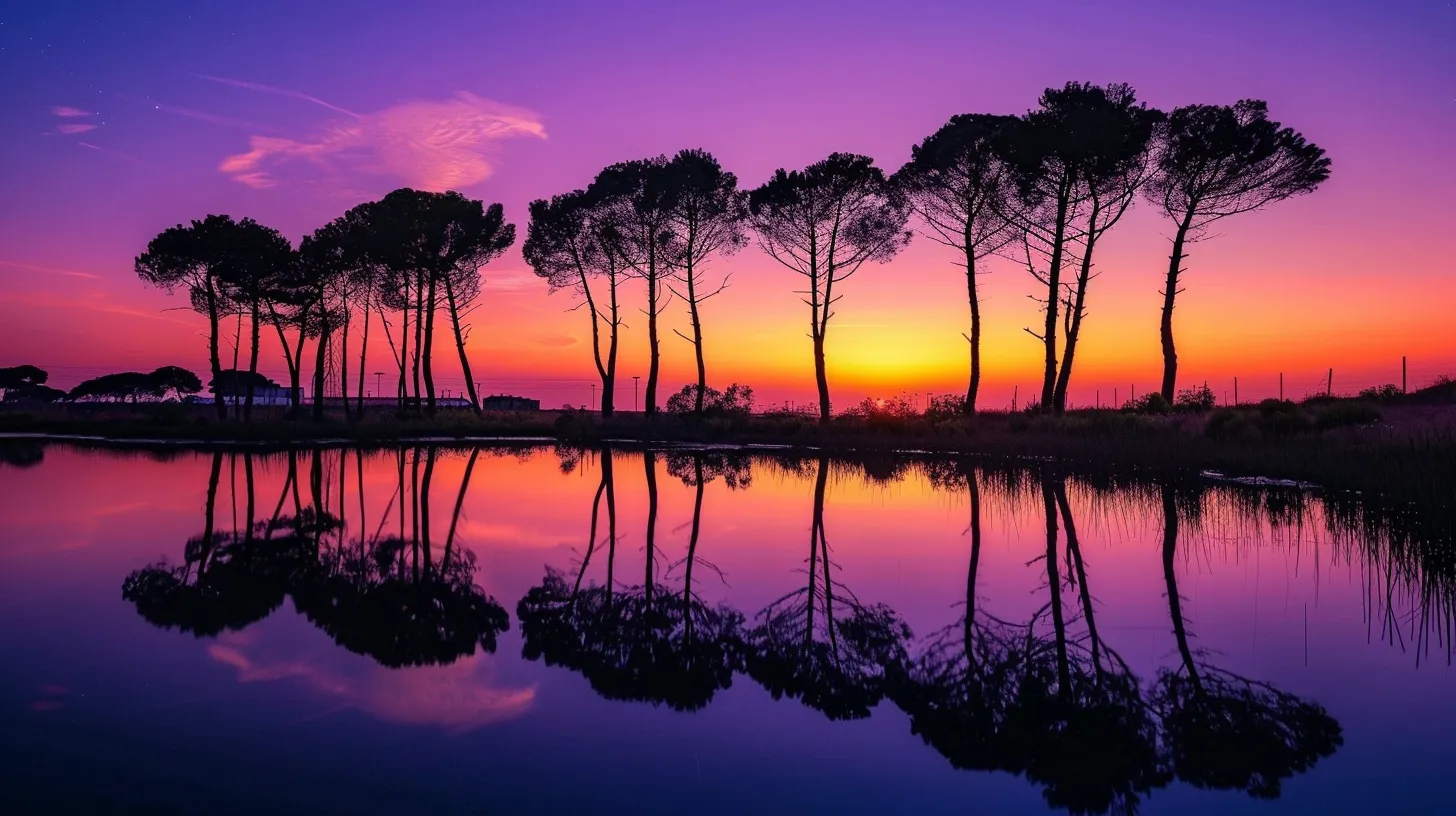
(824, 222)
(706, 213)
(572, 239)
(1216, 161)
(1078, 160)
(958, 184)
(199, 258)
(639, 197)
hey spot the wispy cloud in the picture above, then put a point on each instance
(66, 112)
(50, 270)
(212, 118)
(108, 151)
(69, 129)
(434, 145)
(270, 89)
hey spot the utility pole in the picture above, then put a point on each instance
(634, 393)
(379, 382)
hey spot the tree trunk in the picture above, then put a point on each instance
(975, 385)
(821, 378)
(237, 348)
(653, 365)
(344, 363)
(320, 364)
(1170, 578)
(1170, 291)
(974, 492)
(1054, 293)
(429, 348)
(214, 356)
(363, 351)
(1074, 327)
(404, 348)
(607, 476)
(460, 346)
(419, 334)
(596, 319)
(649, 464)
(609, 380)
(1054, 584)
(697, 341)
(252, 363)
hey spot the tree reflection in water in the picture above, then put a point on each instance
(1225, 731)
(642, 642)
(357, 590)
(820, 644)
(1045, 698)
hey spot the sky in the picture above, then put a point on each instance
(118, 122)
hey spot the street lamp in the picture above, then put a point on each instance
(634, 392)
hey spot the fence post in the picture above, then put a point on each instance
(1330, 383)
(1281, 386)
(1236, 391)
(1402, 374)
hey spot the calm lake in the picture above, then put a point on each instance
(539, 630)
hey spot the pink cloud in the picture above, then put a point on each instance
(433, 145)
(75, 128)
(49, 270)
(458, 697)
(66, 112)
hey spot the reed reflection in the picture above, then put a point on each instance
(386, 597)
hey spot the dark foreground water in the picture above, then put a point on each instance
(493, 631)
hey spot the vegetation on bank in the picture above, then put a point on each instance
(1403, 448)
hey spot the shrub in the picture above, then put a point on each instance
(881, 409)
(1346, 413)
(1232, 425)
(735, 400)
(1152, 403)
(1281, 418)
(1195, 399)
(945, 406)
(1382, 393)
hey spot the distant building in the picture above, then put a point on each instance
(503, 402)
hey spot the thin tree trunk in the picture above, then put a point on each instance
(649, 464)
(1170, 578)
(1170, 291)
(248, 479)
(214, 356)
(975, 301)
(425, 508)
(210, 511)
(460, 345)
(419, 334)
(460, 503)
(974, 492)
(237, 348)
(821, 378)
(1054, 584)
(1074, 327)
(596, 328)
(363, 352)
(320, 364)
(429, 347)
(1074, 548)
(344, 363)
(609, 380)
(1054, 293)
(253, 362)
(611, 519)
(697, 338)
(655, 361)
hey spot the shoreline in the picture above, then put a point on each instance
(1401, 452)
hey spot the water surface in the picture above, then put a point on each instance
(536, 630)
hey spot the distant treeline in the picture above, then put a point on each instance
(1041, 189)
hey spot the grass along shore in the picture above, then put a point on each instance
(1404, 451)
